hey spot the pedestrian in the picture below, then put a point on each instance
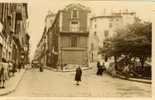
(103, 67)
(78, 75)
(107, 63)
(10, 68)
(1, 74)
(13, 68)
(19, 67)
(98, 67)
(40, 67)
(126, 70)
(4, 73)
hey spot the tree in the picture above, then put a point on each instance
(133, 41)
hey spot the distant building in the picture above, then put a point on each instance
(104, 27)
(42, 52)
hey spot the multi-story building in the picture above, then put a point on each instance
(13, 19)
(105, 26)
(42, 51)
(68, 36)
(72, 25)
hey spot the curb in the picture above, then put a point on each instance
(134, 80)
(55, 70)
(13, 88)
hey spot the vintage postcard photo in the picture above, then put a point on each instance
(76, 48)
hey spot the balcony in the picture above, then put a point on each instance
(78, 29)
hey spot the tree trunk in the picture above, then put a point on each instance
(142, 60)
(115, 58)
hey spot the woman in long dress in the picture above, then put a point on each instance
(78, 75)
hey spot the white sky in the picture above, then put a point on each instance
(39, 8)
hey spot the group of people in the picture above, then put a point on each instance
(100, 68)
(7, 69)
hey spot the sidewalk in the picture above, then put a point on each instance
(12, 83)
(135, 79)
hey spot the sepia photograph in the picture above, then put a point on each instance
(76, 48)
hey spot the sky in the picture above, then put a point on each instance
(38, 9)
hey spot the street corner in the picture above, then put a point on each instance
(12, 83)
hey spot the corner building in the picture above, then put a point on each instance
(69, 36)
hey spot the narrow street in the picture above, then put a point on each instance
(62, 84)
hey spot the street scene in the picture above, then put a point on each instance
(75, 49)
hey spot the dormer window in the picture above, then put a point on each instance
(75, 13)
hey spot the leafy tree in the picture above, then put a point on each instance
(133, 41)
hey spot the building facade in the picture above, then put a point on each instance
(68, 37)
(13, 37)
(42, 53)
(104, 27)
(73, 35)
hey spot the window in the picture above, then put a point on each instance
(74, 22)
(75, 13)
(9, 20)
(106, 33)
(117, 19)
(92, 46)
(94, 33)
(74, 26)
(111, 19)
(73, 41)
(110, 25)
(95, 20)
(95, 25)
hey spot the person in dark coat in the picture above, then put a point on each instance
(99, 69)
(78, 75)
(98, 65)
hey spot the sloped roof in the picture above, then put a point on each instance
(78, 5)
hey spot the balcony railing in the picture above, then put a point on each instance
(78, 29)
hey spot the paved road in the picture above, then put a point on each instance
(49, 83)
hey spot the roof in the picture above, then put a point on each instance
(78, 5)
(106, 16)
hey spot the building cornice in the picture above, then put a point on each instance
(98, 17)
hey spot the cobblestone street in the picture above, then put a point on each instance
(62, 84)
